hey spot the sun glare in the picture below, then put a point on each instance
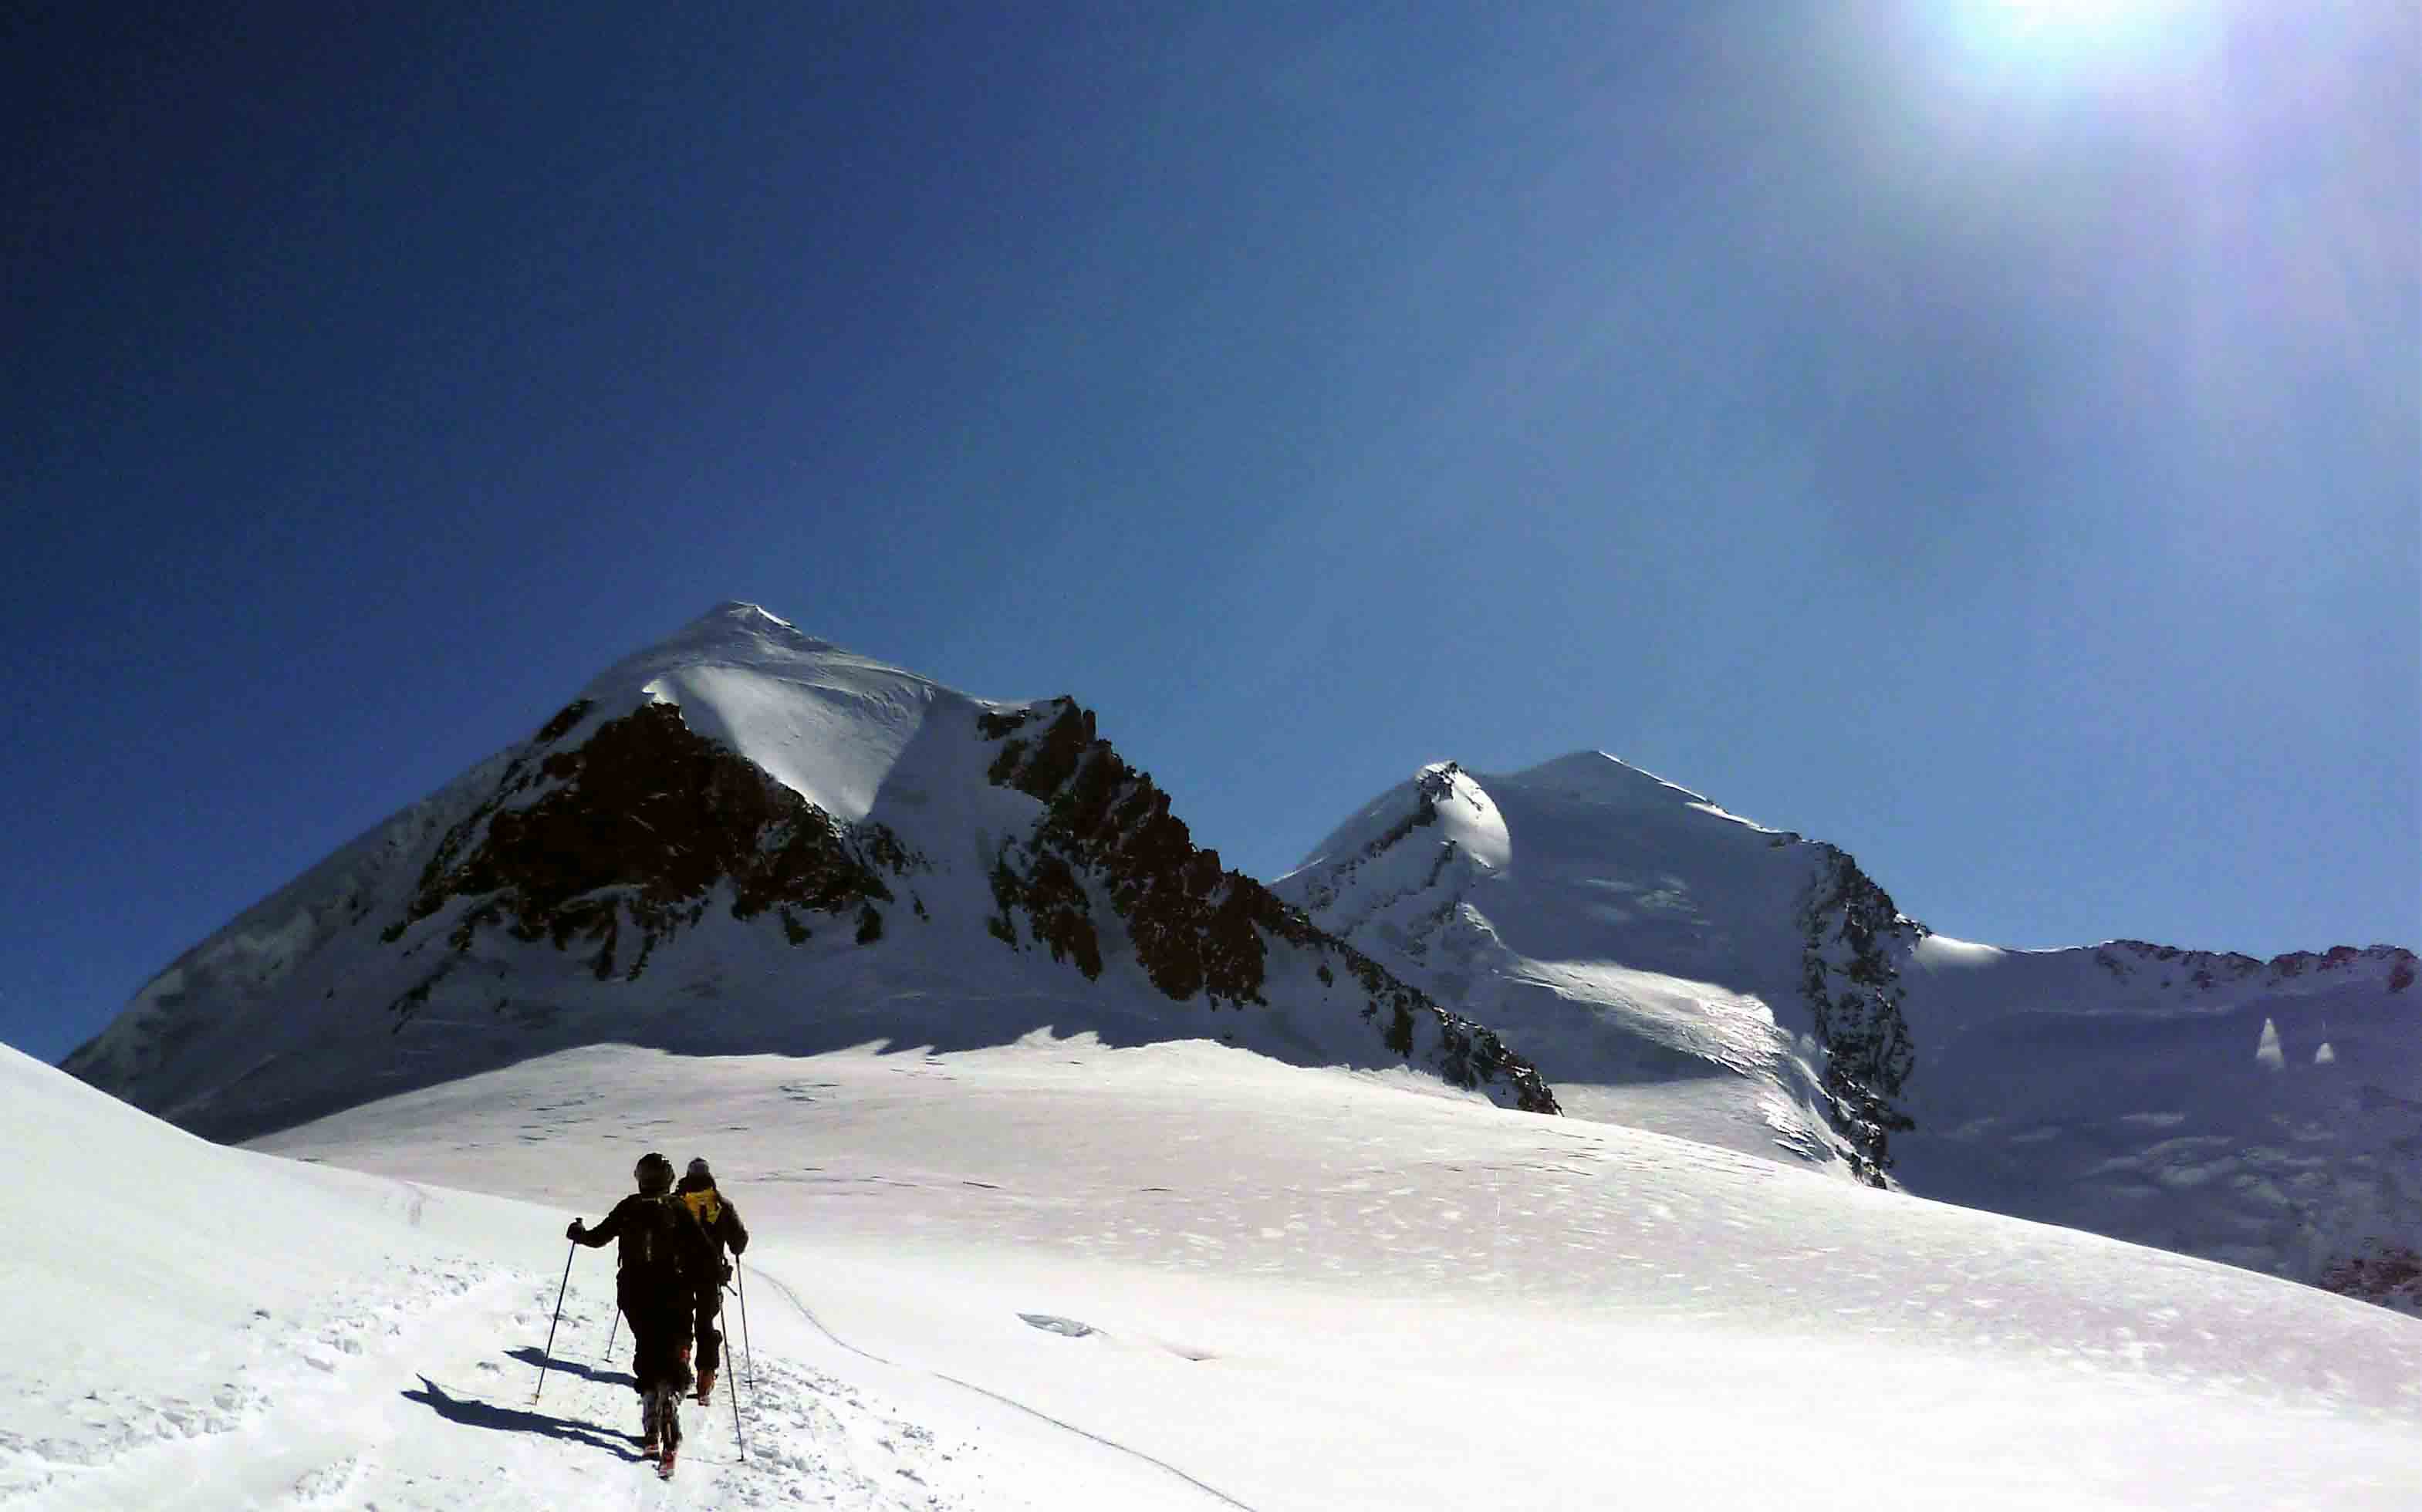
(2079, 18)
(2060, 12)
(2075, 29)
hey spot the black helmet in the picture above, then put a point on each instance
(697, 1167)
(654, 1173)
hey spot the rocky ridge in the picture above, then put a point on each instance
(1194, 926)
(1850, 983)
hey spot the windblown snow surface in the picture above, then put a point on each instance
(1057, 1275)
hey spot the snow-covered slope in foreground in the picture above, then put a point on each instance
(1320, 1289)
(202, 1328)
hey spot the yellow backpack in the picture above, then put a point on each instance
(706, 1205)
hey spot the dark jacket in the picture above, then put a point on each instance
(663, 1246)
(726, 1230)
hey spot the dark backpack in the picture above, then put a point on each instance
(662, 1244)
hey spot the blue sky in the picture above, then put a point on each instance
(1981, 435)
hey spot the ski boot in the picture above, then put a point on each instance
(668, 1424)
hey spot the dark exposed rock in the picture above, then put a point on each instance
(1196, 927)
(2209, 969)
(1853, 993)
(570, 715)
(2385, 1273)
(619, 841)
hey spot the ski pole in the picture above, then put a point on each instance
(750, 1359)
(608, 1357)
(549, 1358)
(736, 1436)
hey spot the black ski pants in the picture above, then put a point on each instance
(659, 1322)
(710, 1340)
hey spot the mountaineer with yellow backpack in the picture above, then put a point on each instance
(721, 1221)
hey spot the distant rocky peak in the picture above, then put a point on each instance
(2141, 963)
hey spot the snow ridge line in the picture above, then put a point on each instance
(810, 1314)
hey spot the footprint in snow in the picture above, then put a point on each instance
(328, 1481)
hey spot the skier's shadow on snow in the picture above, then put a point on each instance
(537, 1359)
(516, 1420)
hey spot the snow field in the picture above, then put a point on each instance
(1316, 1289)
(214, 1328)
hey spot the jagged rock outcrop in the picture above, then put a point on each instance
(621, 840)
(2130, 962)
(1195, 927)
(1850, 981)
(2387, 1275)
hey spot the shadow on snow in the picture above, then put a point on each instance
(536, 1358)
(479, 1414)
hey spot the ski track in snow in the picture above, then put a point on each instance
(417, 1397)
(112, 1446)
(808, 1313)
(1630, 1320)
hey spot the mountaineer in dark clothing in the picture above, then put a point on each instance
(666, 1257)
(721, 1222)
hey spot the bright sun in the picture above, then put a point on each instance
(2078, 27)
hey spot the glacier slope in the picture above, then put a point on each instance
(1319, 1288)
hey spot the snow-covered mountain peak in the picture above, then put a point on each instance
(732, 632)
(1608, 777)
(1467, 817)
(1674, 967)
(743, 609)
(1693, 973)
(746, 838)
(1601, 796)
(1607, 783)
(1441, 798)
(826, 723)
